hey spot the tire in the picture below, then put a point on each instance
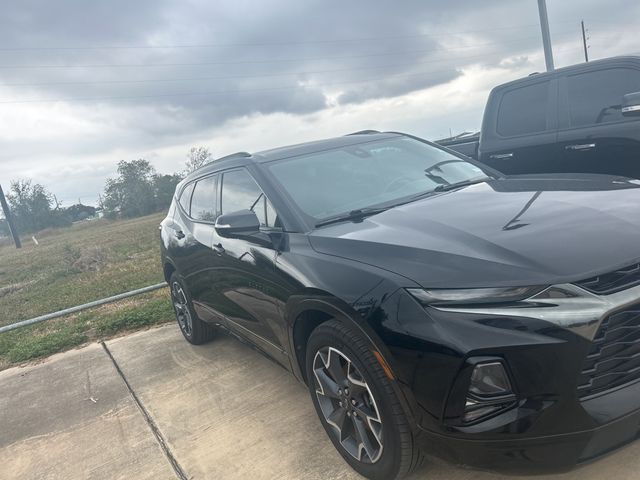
(194, 330)
(391, 453)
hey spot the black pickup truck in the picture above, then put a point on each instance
(579, 119)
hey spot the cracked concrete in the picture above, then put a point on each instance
(223, 411)
(72, 417)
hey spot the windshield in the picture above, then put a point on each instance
(337, 181)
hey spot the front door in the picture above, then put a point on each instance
(594, 136)
(521, 137)
(245, 285)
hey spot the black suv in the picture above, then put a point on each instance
(431, 305)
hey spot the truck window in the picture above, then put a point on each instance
(595, 97)
(524, 110)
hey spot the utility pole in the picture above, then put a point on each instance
(546, 36)
(584, 42)
(9, 219)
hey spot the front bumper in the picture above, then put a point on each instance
(545, 453)
(551, 429)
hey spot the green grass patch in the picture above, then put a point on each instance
(104, 322)
(44, 345)
(151, 312)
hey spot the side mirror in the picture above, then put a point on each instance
(242, 222)
(631, 104)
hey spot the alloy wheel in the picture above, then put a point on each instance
(348, 405)
(181, 307)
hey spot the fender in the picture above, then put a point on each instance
(319, 300)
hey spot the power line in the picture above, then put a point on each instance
(271, 60)
(226, 77)
(260, 44)
(220, 92)
(259, 75)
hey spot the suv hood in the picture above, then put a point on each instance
(507, 232)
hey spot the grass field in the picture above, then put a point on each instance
(76, 265)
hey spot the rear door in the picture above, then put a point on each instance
(594, 136)
(520, 128)
(193, 231)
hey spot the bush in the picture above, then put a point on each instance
(89, 259)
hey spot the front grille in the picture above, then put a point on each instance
(614, 359)
(613, 282)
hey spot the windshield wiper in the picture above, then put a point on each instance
(353, 215)
(445, 187)
(448, 186)
(359, 214)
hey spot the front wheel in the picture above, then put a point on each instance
(357, 404)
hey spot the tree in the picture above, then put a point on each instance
(131, 194)
(78, 212)
(31, 205)
(164, 187)
(197, 157)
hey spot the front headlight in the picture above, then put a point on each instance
(473, 295)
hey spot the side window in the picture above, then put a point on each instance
(524, 110)
(203, 201)
(185, 198)
(596, 97)
(241, 192)
(265, 212)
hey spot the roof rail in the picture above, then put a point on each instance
(234, 155)
(362, 132)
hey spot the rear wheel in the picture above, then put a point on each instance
(194, 330)
(357, 404)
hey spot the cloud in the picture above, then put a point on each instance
(276, 71)
(395, 86)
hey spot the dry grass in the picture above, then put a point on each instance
(79, 264)
(76, 265)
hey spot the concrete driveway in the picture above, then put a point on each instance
(151, 406)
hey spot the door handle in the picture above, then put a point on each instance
(501, 156)
(580, 147)
(179, 234)
(219, 249)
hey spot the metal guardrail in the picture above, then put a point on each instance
(79, 308)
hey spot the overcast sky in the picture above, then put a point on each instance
(84, 84)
